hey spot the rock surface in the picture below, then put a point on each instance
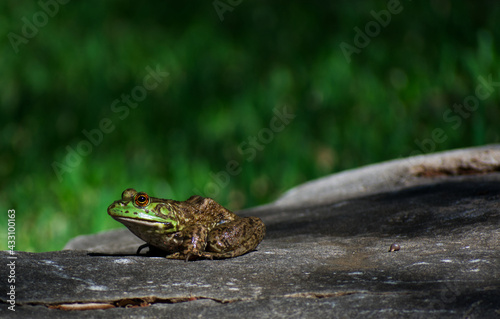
(323, 255)
(394, 175)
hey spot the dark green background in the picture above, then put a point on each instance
(227, 78)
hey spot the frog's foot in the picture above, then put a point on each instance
(190, 256)
(193, 244)
(176, 255)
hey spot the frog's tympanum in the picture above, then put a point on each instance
(196, 228)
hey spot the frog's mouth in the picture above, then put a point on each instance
(134, 222)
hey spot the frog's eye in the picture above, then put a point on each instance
(141, 199)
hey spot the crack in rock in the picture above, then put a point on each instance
(148, 301)
(127, 303)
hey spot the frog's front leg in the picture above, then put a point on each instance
(236, 237)
(193, 244)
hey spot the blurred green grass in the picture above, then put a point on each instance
(225, 79)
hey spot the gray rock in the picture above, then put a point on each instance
(394, 175)
(116, 242)
(324, 259)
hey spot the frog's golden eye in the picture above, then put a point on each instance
(141, 199)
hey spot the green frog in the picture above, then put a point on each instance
(196, 228)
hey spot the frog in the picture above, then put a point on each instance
(197, 228)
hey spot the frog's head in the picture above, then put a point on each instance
(139, 210)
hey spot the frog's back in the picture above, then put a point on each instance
(209, 212)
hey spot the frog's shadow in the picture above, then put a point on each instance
(151, 252)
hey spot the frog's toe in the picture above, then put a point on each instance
(176, 255)
(191, 256)
(195, 256)
(206, 255)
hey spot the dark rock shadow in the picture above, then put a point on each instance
(437, 208)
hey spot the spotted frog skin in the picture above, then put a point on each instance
(196, 228)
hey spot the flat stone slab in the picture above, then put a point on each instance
(329, 259)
